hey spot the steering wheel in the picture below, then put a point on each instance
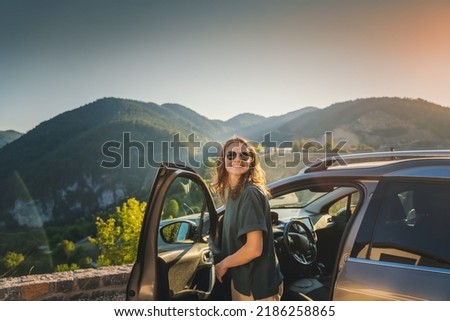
(299, 242)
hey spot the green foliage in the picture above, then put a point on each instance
(76, 231)
(171, 209)
(68, 247)
(13, 259)
(70, 254)
(11, 262)
(170, 231)
(86, 262)
(118, 236)
(46, 247)
(66, 267)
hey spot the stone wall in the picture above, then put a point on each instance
(102, 284)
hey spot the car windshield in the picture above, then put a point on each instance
(298, 199)
(318, 200)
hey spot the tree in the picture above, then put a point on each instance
(13, 259)
(171, 209)
(118, 236)
(68, 247)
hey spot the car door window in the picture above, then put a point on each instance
(413, 225)
(345, 206)
(181, 218)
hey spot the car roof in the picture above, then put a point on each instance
(374, 159)
(436, 171)
(429, 163)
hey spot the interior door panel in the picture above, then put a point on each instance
(190, 272)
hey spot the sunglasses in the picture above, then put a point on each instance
(231, 155)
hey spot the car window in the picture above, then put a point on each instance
(339, 208)
(184, 197)
(296, 199)
(319, 200)
(413, 225)
(184, 201)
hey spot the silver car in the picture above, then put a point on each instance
(373, 226)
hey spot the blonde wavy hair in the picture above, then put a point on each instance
(254, 176)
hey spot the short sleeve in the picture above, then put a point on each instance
(252, 208)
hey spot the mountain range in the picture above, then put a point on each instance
(95, 156)
(7, 136)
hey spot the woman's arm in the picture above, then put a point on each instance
(252, 249)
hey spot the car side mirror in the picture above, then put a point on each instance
(179, 232)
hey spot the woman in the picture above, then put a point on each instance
(248, 252)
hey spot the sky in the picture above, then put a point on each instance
(218, 58)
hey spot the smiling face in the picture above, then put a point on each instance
(237, 166)
(237, 161)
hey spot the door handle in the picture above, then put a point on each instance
(207, 257)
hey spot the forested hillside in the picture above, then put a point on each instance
(58, 177)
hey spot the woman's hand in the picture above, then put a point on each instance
(221, 270)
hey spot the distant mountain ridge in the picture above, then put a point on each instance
(54, 173)
(381, 123)
(7, 136)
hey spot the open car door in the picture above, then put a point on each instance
(174, 259)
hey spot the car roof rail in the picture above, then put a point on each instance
(338, 159)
